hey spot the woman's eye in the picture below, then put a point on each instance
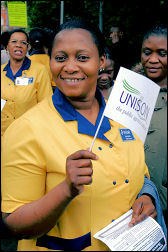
(82, 57)
(110, 72)
(163, 53)
(13, 41)
(24, 43)
(147, 52)
(60, 58)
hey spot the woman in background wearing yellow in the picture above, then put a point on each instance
(24, 83)
(38, 52)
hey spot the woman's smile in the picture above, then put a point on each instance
(71, 80)
(75, 63)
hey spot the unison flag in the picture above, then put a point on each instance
(131, 102)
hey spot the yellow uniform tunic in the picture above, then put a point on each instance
(37, 145)
(45, 60)
(20, 98)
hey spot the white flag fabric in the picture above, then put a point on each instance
(132, 101)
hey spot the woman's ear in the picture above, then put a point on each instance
(29, 47)
(6, 48)
(103, 61)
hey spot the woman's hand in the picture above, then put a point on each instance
(79, 171)
(142, 208)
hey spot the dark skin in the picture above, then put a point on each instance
(154, 59)
(37, 218)
(17, 51)
(75, 62)
(105, 77)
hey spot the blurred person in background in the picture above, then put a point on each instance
(24, 83)
(105, 80)
(50, 34)
(120, 48)
(138, 68)
(154, 62)
(4, 53)
(38, 48)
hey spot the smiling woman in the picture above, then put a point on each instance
(56, 194)
(77, 66)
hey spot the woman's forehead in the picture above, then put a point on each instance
(76, 33)
(157, 40)
(18, 35)
(75, 40)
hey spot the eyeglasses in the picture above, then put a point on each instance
(22, 42)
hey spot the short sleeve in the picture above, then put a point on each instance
(23, 168)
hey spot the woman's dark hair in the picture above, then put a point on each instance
(108, 53)
(37, 37)
(156, 30)
(83, 24)
(18, 30)
(50, 34)
(4, 39)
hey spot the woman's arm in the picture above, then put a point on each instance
(37, 218)
(148, 204)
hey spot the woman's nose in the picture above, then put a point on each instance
(154, 58)
(71, 66)
(104, 76)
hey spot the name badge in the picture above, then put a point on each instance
(126, 135)
(22, 81)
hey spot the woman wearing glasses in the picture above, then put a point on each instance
(24, 83)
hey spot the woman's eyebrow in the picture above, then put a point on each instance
(78, 51)
(82, 50)
(59, 52)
